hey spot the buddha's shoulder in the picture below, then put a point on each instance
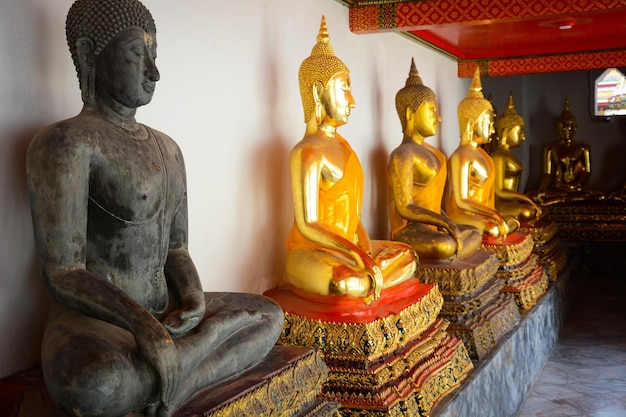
(501, 153)
(313, 144)
(63, 134)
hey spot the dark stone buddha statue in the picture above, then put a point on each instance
(130, 328)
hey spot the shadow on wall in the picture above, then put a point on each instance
(540, 131)
(378, 160)
(609, 174)
(30, 99)
(25, 303)
(265, 258)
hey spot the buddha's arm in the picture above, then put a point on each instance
(548, 155)
(586, 172)
(460, 177)
(363, 239)
(58, 181)
(306, 167)
(501, 191)
(402, 186)
(182, 277)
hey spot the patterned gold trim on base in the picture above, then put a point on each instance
(593, 220)
(363, 340)
(395, 358)
(268, 389)
(382, 376)
(550, 256)
(528, 292)
(542, 232)
(461, 276)
(458, 309)
(473, 300)
(445, 369)
(484, 329)
(513, 251)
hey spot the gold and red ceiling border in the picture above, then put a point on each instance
(402, 16)
(543, 64)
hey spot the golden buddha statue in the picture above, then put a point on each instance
(470, 189)
(508, 200)
(329, 251)
(567, 166)
(417, 177)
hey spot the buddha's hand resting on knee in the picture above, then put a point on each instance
(157, 346)
(375, 274)
(180, 321)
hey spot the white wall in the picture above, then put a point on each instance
(229, 95)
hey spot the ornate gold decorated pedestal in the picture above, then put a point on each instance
(479, 313)
(523, 276)
(549, 255)
(287, 383)
(393, 357)
(589, 221)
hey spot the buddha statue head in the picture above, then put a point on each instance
(476, 112)
(417, 103)
(510, 126)
(92, 24)
(566, 124)
(322, 77)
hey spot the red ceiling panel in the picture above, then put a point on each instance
(486, 31)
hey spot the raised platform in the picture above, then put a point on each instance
(523, 276)
(590, 221)
(392, 357)
(478, 312)
(549, 254)
(498, 384)
(287, 383)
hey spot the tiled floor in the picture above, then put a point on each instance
(586, 373)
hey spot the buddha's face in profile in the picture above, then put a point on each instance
(427, 118)
(337, 100)
(483, 127)
(516, 135)
(126, 71)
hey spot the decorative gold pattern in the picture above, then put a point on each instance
(457, 308)
(390, 371)
(550, 256)
(376, 337)
(543, 64)
(511, 254)
(518, 272)
(445, 379)
(601, 221)
(437, 374)
(278, 393)
(461, 276)
(379, 366)
(527, 293)
(541, 232)
(482, 317)
(523, 276)
(423, 13)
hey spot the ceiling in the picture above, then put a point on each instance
(505, 37)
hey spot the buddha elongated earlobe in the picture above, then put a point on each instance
(318, 91)
(87, 69)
